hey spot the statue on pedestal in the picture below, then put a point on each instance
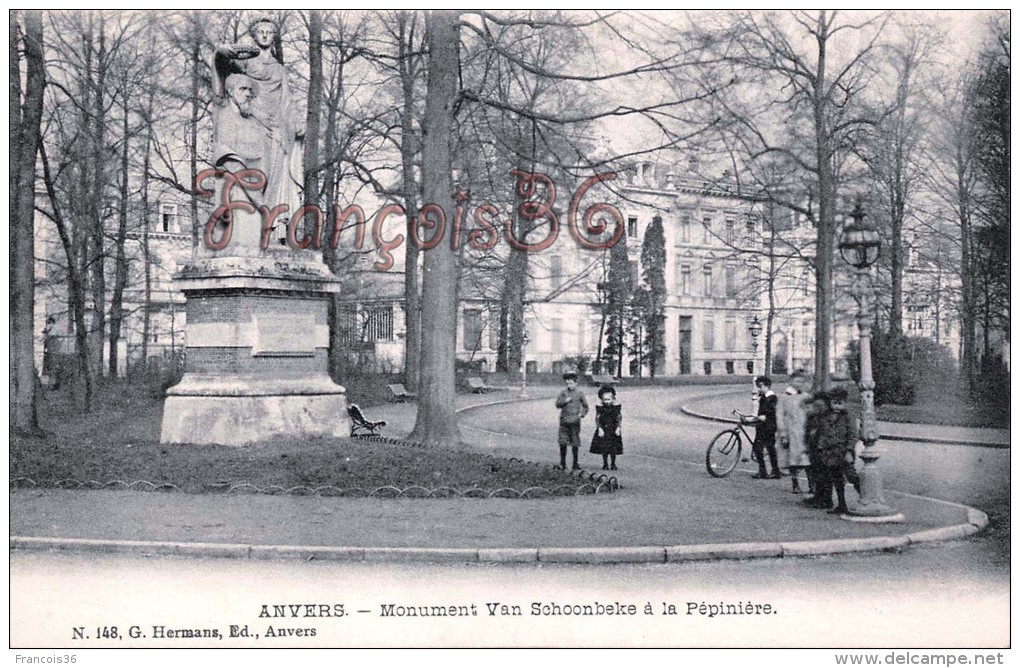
(257, 317)
(256, 124)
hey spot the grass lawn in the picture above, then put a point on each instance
(120, 442)
(948, 409)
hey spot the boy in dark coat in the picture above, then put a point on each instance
(573, 406)
(765, 428)
(831, 437)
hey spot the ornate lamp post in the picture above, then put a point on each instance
(754, 329)
(859, 245)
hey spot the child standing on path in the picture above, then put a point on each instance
(573, 406)
(791, 422)
(608, 438)
(765, 428)
(832, 439)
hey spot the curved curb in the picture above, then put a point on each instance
(976, 521)
(885, 437)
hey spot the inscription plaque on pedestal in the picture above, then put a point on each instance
(283, 336)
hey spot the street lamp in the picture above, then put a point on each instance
(524, 363)
(754, 329)
(859, 245)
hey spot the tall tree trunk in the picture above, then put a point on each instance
(195, 56)
(329, 254)
(510, 347)
(511, 315)
(896, 267)
(968, 335)
(97, 234)
(22, 374)
(826, 213)
(436, 422)
(771, 287)
(146, 223)
(14, 125)
(408, 149)
(121, 266)
(75, 286)
(17, 144)
(311, 142)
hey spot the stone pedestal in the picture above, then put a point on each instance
(257, 352)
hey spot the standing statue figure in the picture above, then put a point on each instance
(270, 114)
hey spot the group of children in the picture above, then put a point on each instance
(815, 431)
(608, 438)
(816, 435)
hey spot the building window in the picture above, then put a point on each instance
(707, 273)
(493, 331)
(805, 282)
(729, 367)
(731, 335)
(805, 332)
(168, 217)
(731, 281)
(685, 279)
(472, 325)
(685, 227)
(708, 368)
(706, 224)
(379, 323)
(731, 237)
(708, 335)
(556, 335)
(556, 271)
(348, 326)
(750, 367)
(632, 226)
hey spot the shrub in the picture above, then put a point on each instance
(899, 363)
(473, 366)
(579, 363)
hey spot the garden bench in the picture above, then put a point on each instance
(399, 392)
(602, 379)
(360, 424)
(478, 386)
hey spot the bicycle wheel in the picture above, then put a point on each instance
(723, 453)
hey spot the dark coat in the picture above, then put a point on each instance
(609, 418)
(831, 437)
(765, 430)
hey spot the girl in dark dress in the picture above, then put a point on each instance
(608, 438)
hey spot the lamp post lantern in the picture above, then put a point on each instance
(859, 245)
(524, 363)
(754, 329)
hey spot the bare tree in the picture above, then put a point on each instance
(798, 106)
(892, 153)
(26, 116)
(436, 422)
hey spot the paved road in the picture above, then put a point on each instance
(655, 428)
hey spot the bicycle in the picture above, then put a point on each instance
(724, 451)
